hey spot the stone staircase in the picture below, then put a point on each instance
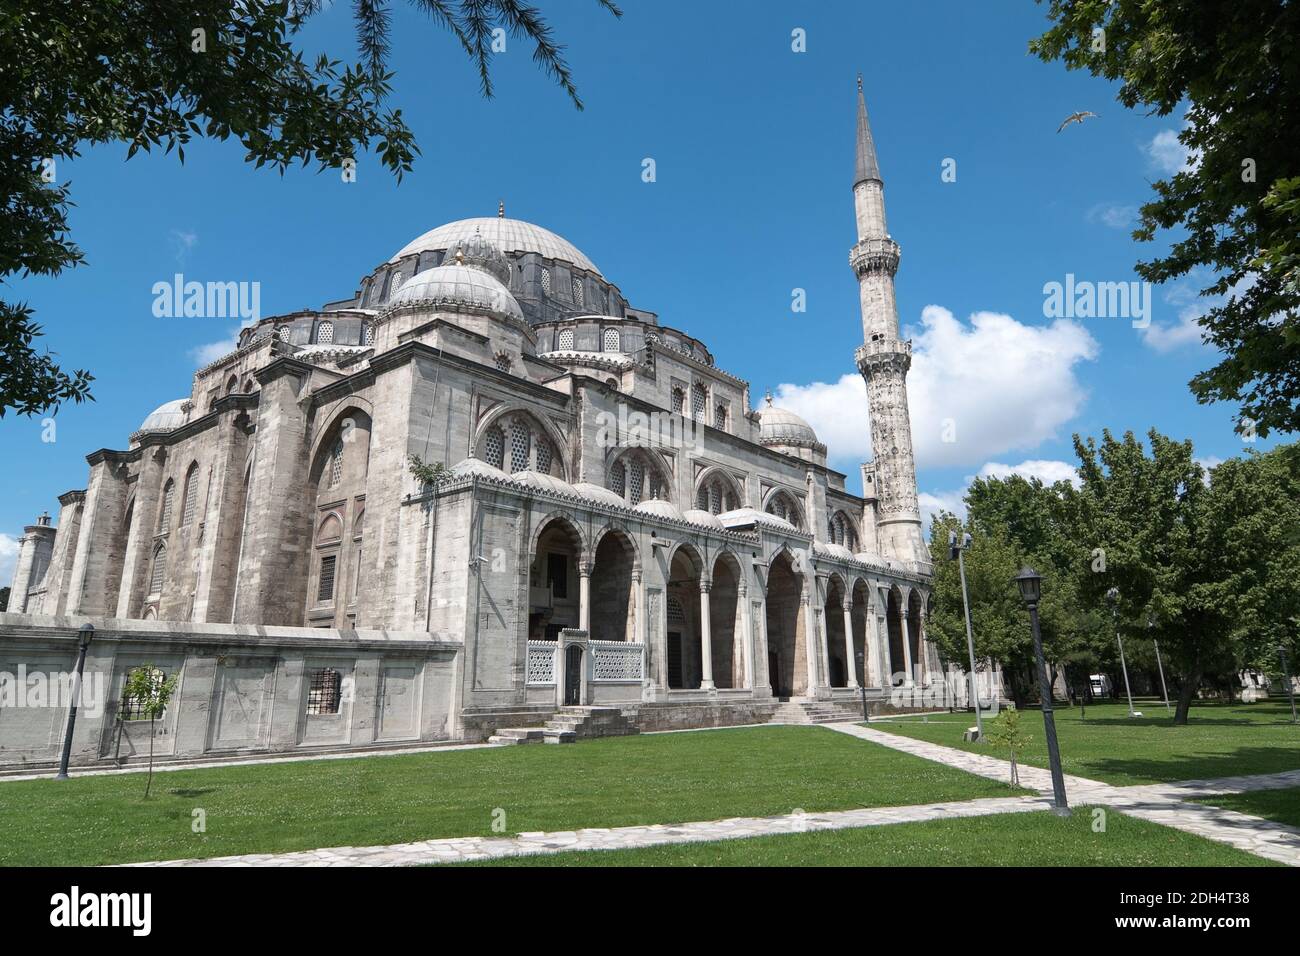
(800, 710)
(568, 725)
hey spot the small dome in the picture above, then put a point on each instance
(458, 288)
(706, 518)
(833, 550)
(479, 252)
(778, 426)
(165, 418)
(476, 466)
(660, 508)
(535, 479)
(597, 493)
(744, 517)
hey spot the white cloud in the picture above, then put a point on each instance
(1186, 330)
(1048, 471)
(8, 558)
(975, 391)
(1112, 215)
(183, 243)
(1168, 155)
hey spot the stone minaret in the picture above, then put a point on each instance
(883, 361)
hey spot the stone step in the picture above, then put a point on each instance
(557, 736)
(517, 735)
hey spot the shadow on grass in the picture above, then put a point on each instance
(1202, 766)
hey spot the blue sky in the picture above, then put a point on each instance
(753, 150)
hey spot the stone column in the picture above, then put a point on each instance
(584, 596)
(746, 637)
(706, 638)
(851, 662)
(906, 628)
(810, 641)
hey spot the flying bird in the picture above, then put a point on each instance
(1078, 117)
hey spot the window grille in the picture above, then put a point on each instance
(702, 499)
(191, 495)
(566, 340)
(328, 565)
(519, 442)
(283, 333)
(576, 285)
(679, 400)
(611, 340)
(494, 447)
(543, 456)
(159, 569)
(133, 708)
(325, 692)
(369, 335)
(715, 498)
(503, 362)
(325, 333)
(636, 477)
(618, 478)
(699, 397)
(720, 417)
(336, 463)
(676, 615)
(165, 520)
(546, 280)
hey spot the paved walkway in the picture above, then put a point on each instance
(1162, 803)
(463, 849)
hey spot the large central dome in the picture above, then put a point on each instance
(509, 235)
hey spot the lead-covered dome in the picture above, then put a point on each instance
(508, 235)
(165, 418)
(455, 288)
(778, 426)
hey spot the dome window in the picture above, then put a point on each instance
(546, 280)
(720, 416)
(519, 446)
(679, 401)
(699, 399)
(611, 343)
(565, 343)
(283, 333)
(368, 335)
(325, 333)
(494, 447)
(503, 362)
(576, 285)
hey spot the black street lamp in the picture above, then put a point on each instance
(1112, 598)
(1030, 591)
(1286, 676)
(862, 685)
(84, 637)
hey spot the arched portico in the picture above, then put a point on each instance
(613, 597)
(555, 578)
(727, 626)
(786, 628)
(839, 657)
(688, 617)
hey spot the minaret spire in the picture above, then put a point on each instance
(884, 361)
(866, 166)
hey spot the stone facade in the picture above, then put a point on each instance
(489, 453)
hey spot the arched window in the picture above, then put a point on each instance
(503, 362)
(783, 506)
(368, 334)
(636, 478)
(165, 514)
(842, 532)
(191, 494)
(716, 496)
(546, 280)
(519, 447)
(543, 456)
(336, 463)
(720, 416)
(679, 401)
(158, 570)
(494, 447)
(331, 529)
(325, 332)
(576, 285)
(565, 343)
(232, 383)
(248, 386)
(611, 343)
(699, 399)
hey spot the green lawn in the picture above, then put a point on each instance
(1000, 840)
(1280, 806)
(669, 778)
(1218, 741)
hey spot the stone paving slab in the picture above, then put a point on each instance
(463, 849)
(1163, 803)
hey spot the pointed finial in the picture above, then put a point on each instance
(769, 398)
(501, 209)
(865, 165)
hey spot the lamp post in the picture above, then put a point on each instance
(1112, 598)
(1286, 676)
(1030, 590)
(84, 637)
(1160, 664)
(862, 686)
(958, 552)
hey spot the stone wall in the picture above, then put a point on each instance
(240, 690)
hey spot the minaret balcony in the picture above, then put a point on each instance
(874, 256)
(877, 355)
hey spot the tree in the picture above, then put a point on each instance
(1006, 732)
(155, 74)
(150, 692)
(1236, 205)
(4, 598)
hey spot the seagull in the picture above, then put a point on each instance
(1078, 117)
